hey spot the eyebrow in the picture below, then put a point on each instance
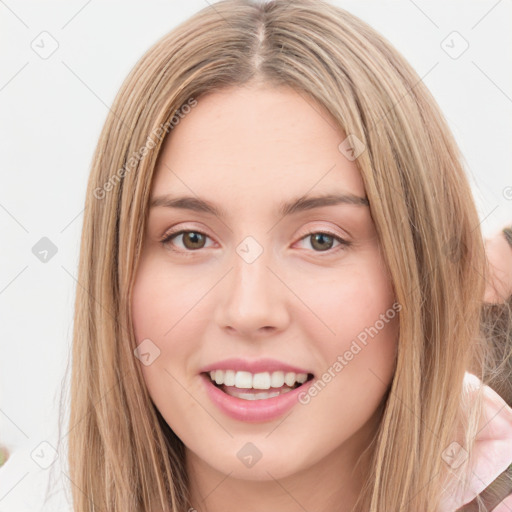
(296, 205)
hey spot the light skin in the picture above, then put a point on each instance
(302, 301)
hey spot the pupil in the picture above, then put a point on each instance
(321, 237)
(191, 235)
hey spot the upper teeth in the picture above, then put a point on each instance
(264, 380)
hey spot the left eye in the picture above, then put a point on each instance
(323, 242)
(194, 240)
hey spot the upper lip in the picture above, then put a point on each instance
(253, 366)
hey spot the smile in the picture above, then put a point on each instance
(257, 386)
(255, 396)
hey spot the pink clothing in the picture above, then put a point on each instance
(492, 452)
(505, 505)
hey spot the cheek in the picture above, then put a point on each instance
(350, 300)
(167, 310)
(164, 301)
(358, 339)
(148, 301)
(156, 315)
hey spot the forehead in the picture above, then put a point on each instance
(256, 140)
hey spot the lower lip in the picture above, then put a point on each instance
(253, 410)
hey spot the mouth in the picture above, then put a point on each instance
(256, 386)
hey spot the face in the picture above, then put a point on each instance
(233, 283)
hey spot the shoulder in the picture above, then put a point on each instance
(490, 475)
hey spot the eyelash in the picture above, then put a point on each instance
(343, 244)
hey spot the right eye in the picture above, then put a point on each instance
(191, 240)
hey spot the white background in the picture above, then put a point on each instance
(52, 111)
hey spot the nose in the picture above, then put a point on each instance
(254, 299)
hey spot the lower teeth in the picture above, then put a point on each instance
(256, 396)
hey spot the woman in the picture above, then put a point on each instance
(268, 131)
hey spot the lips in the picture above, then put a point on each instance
(254, 366)
(254, 390)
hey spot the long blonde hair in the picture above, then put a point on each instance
(123, 456)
